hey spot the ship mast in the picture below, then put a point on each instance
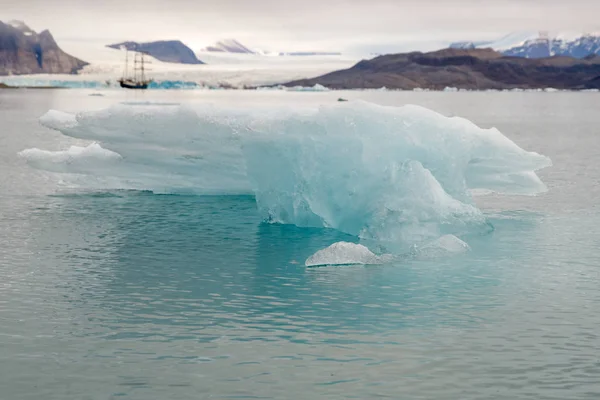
(135, 67)
(126, 62)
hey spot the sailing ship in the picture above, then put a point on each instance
(138, 80)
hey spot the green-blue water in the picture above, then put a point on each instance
(110, 294)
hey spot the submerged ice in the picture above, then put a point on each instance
(392, 174)
(445, 246)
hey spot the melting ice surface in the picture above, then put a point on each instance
(397, 175)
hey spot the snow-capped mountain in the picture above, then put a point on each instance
(509, 41)
(580, 47)
(536, 45)
(534, 48)
(22, 27)
(233, 46)
(229, 46)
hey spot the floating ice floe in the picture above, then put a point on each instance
(316, 88)
(390, 174)
(345, 253)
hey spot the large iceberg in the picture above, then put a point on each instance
(392, 174)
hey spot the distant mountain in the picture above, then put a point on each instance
(580, 47)
(545, 47)
(173, 51)
(536, 45)
(474, 69)
(536, 48)
(233, 46)
(229, 46)
(504, 43)
(23, 51)
(310, 53)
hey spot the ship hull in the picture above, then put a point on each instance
(133, 85)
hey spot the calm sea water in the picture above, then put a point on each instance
(114, 294)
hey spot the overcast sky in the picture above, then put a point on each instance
(301, 25)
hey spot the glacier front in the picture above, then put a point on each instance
(390, 174)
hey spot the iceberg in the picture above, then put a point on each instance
(401, 175)
(316, 88)
(345, 253)
(395, 174)
(76, 158)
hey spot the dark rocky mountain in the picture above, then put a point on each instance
(474, 69)
(23, 51)
(173, 51)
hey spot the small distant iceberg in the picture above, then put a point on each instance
(345, 253)
(270, 88)
(316, 88)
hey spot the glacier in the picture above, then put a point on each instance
(402, 175)
(33, 82)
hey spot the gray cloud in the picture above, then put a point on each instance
(314, 24)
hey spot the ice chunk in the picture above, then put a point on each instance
(392, 174)
(345, 253)
(164, 147)
(58, 120)
(316, 88)
(395, 174)
(76, 159)
(444, 246)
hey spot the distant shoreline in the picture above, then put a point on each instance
(320, 88)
